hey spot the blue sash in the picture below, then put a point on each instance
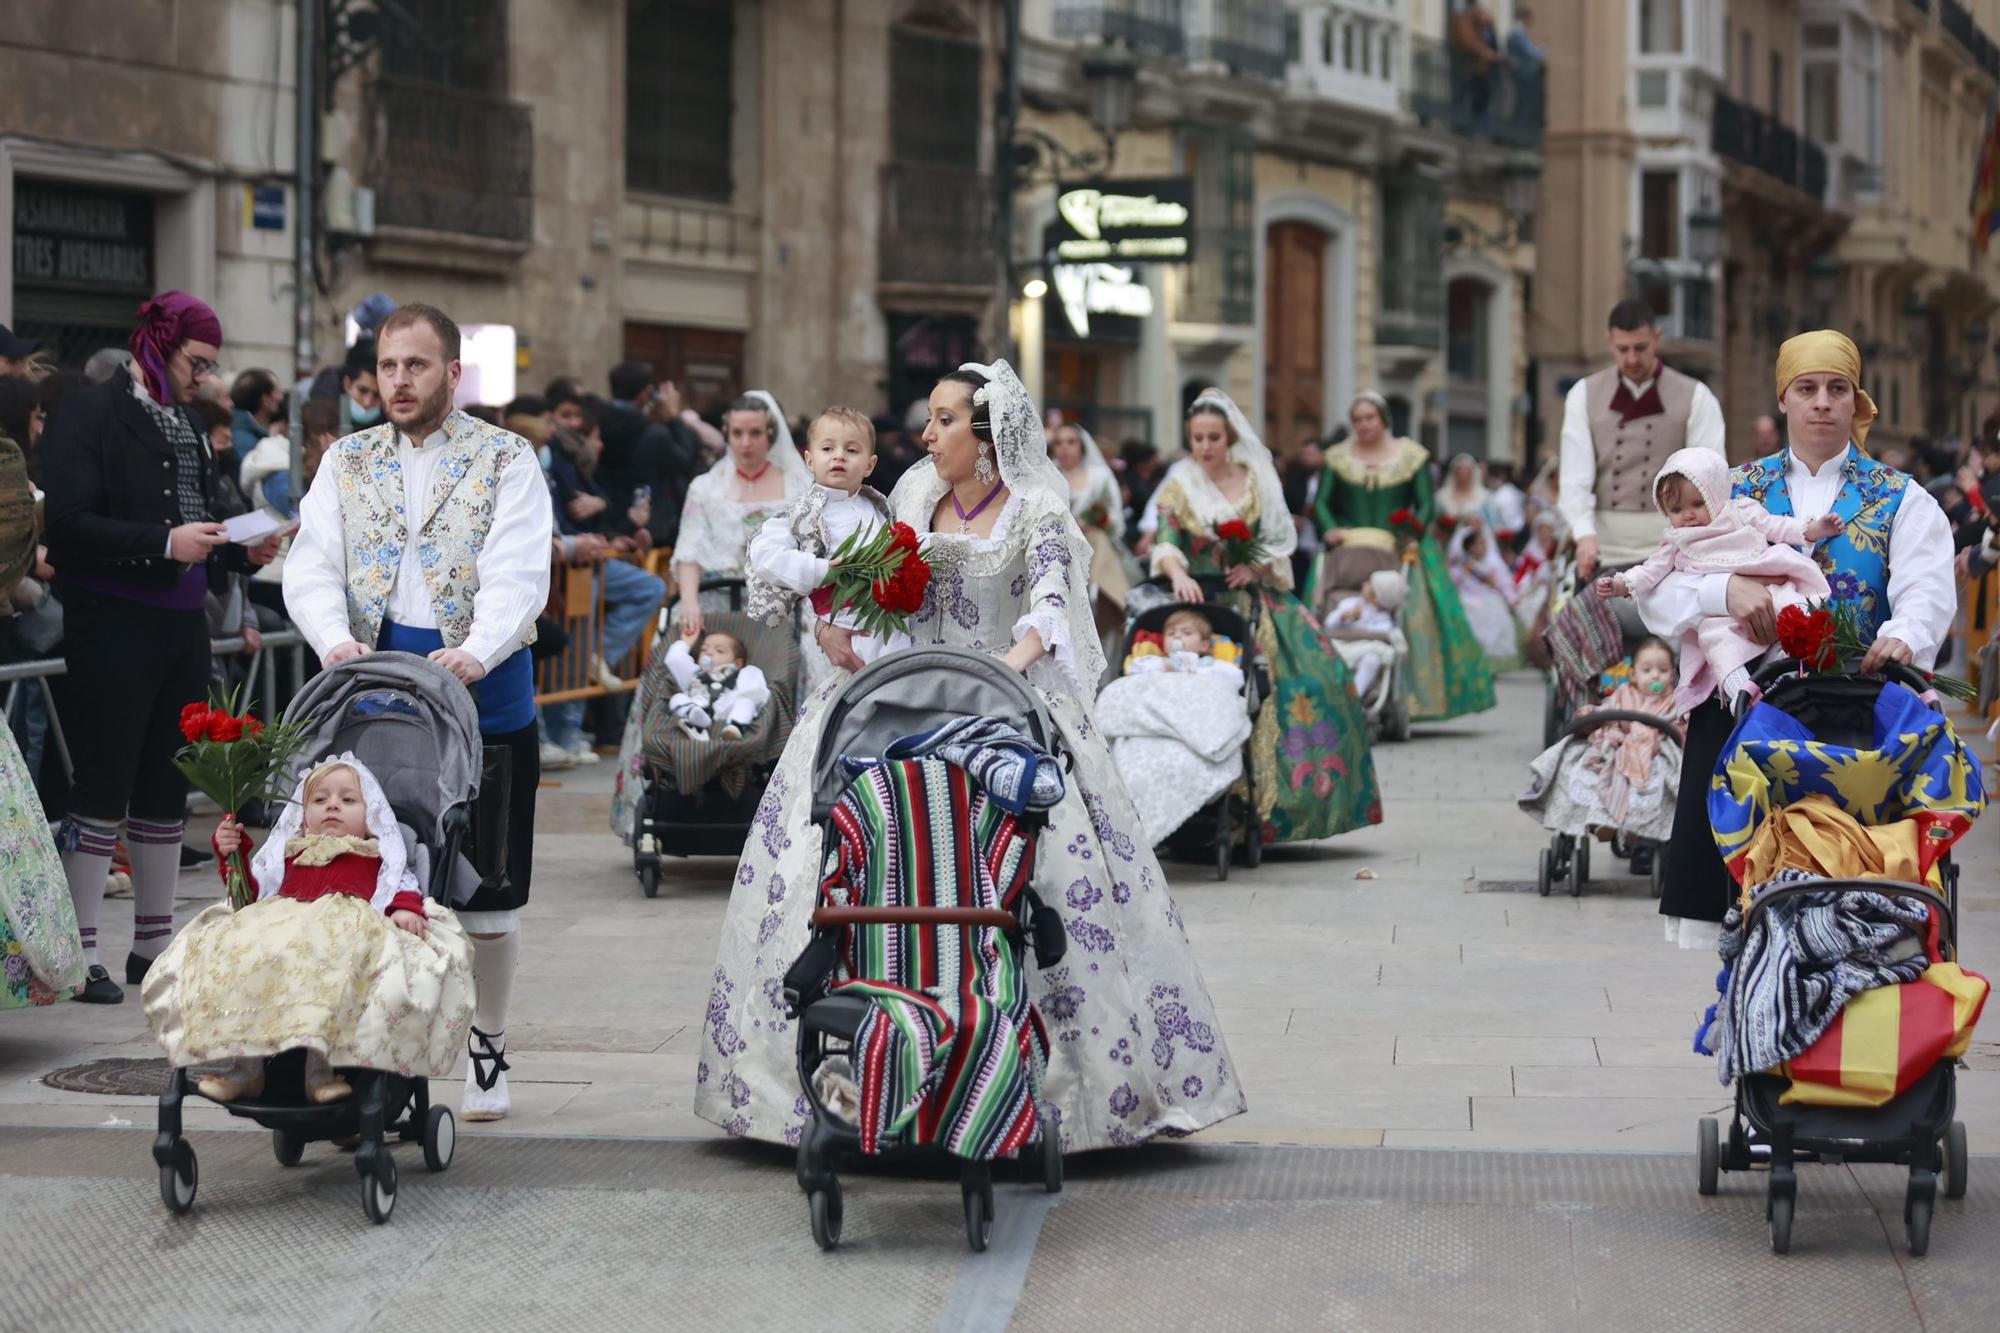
(506, 694)
(1856, 563)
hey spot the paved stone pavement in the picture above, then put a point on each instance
(1391, 989)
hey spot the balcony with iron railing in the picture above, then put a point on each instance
(1155, 27)
(937, 225)
(1499, 104)
(1348, 51)
(446, 160)
(1245, 36)
(1744, 134)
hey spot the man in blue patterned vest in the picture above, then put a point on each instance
(1892, 562)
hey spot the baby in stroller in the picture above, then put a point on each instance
(719, 687)
(1179, 717)
(1365, 633)
(1615, 770)
(363, 953)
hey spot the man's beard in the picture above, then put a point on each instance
(430, 410)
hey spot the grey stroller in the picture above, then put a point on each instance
(414, 726)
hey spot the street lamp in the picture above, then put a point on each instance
(1705, 235)
(1823, 284)
(1112, 75)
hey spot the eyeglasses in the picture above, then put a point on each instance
(200, 365)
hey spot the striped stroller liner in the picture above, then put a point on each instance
(952, 1050)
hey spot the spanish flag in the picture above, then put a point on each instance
(1888, 1038)
(1986, 185)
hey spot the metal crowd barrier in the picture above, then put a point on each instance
(260, 680)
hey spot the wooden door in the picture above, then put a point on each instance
(1294, 335)
(706, 364)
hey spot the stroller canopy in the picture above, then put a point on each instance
(409, 720)
(912, 691)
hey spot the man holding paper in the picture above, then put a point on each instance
(134, 544)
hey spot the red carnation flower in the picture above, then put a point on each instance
(194, 722)
(902, 537)
(1808, 636)
(822, 601)
(1235, 530)
(223, 727)
(251, 726)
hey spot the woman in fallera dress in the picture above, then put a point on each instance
(1136, 1049)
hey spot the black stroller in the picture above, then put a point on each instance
(1227, 827)
(697, 798)
(1915, 1128)
(976, 909)
(414, 726)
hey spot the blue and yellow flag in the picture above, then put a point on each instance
(1914, 767)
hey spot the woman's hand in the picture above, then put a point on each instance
(410, 921)
(1028, 651)
(1185, 588)
(228, 836)
(837, 642)
(253, 639)
(1241, 576)
(640, 514)
(1333, 537)
(691, 622)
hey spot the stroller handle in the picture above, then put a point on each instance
(830, 917)
(1900, 672)
(1589, 722)
(1891, 888)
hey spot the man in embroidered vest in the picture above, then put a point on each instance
(430, 534)
(1892, 561)
(1619, 426)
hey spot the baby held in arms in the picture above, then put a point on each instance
(791, 556)
(1709, 533)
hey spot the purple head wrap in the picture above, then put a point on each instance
(165, 322)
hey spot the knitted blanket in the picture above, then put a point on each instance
(952, 1051)
(999, 758)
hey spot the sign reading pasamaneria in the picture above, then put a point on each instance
(1125, 221)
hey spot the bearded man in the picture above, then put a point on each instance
(430, 534)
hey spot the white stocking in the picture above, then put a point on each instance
(494, 958)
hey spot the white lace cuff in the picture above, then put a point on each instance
(1167, 559)
(1054, 630)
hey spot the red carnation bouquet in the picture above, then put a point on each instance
(1407, 521)
(1240, 544)
(1826, 636)
(880, 579)
(234, 759)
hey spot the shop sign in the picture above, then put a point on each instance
(1112, 293)
(1124, 221)
(91, 240)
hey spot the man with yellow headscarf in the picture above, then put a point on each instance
(1891, 563)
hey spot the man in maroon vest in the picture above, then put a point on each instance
(1619, 426)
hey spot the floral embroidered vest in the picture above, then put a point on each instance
(450, 532)
(1856, 562)
(805, 519)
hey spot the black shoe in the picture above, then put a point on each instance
(1642, 860)
(193, 858)
(99, 988)
(136, 969)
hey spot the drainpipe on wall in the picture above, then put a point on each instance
(305, 154)
(1003, 178)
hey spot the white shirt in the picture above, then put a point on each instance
(1625, 539)
(775, 558)
(1923, 591)
(1510, 507)
(513, 564)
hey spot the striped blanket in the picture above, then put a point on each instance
(952, 1051)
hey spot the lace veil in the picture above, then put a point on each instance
(267, 864)
(1274, 519)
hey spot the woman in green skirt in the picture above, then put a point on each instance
(1375, 507)
(1314, 774)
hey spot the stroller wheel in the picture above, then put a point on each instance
(978, 1214)
(826, 1214)
(1708, 1152)
(649, 879)
(179, 1178)
(287, 1147)
(1253, 843)
(1659, 872)
(1918, 1207)
(1546, 875)
(440, 1138)
(1581, 869)
(378, 1188)
(1954, 1160)
(1052, 1163)
(1781, 1223)
(1225, 828)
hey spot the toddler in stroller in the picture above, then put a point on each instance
(1842, 1007)
(915, 1027)
(1614, 773)
(348, 984)
(1367, 632)
(1181, 737)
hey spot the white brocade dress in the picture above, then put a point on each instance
(1136, 1050)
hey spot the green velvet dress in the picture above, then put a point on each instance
(1446, 674)
(1309, 748)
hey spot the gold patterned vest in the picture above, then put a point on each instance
(450, 532)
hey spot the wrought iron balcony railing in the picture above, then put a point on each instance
(937, 225)
(1498, 104)
(451, 161)
(1154, 26)
(1248, 36)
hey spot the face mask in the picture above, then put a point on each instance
(547, 458)
(363, 416)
